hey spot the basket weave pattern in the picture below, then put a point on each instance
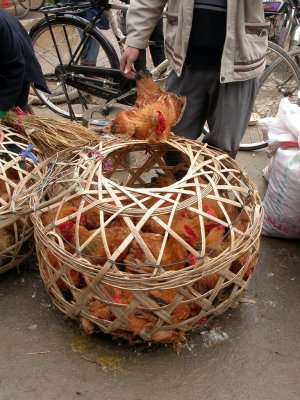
(134, 258)
(15, 230)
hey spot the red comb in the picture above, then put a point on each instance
(117, 297)
(72, 273)
(64, 226)
(202, 320)
(190, 232)
(82, 219)
(192, 259)
(184, 213)
(161, 123)
(209, 211)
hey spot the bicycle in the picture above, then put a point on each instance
(103, 85)
(18, 8)
(278, 79)
(58, 46)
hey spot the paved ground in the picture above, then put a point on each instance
(250, 353)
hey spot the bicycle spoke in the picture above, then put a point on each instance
(66, 99)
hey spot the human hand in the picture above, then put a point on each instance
(126, 62)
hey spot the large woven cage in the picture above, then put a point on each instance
(142, 241)
(15, 230)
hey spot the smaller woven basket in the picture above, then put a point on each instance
(15, 230)
(133, 246)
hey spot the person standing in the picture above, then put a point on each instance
(156, 49)
(217, 51)
(18, 65)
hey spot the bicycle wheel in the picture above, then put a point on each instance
(64, 99)
(35, 5)
(18, 8)
(280, 78)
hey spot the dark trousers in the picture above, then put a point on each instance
(225, 106)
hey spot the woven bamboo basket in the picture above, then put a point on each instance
(140, 249)
(15, 230)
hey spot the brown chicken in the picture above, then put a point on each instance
(154, 114)
(4, 199)
(175, 255)
(91, 215)
(173, 336)
(51, 216)
(166, 296)
(6, 240)
(100, 310)
(139, 321)
(95, 251)
(206, 283)
(149, 91)
(7, 187)
(73, 277)
(162, 180)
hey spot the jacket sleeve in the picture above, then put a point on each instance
(12, 69)
(142, 18)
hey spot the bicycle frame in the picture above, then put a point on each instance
(106, 83)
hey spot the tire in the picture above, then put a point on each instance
(280, 78)
(67, 28)
(19, 8)
(295, 54)
(35, 5)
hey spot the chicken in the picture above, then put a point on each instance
(51, 216)
(6, 240)
(7, 187)
(146, 90)
(136, 259)
(174, 257)
(88, 326)
(214, 240)
(73, 276)
(92, 215)
(178, 223)
(149, 91)
(173, 336)
(206, 283)
(100, 310)
(94, 251)
(161, 180)
(153, 116)
(164, 297)
(139, 321)
(240, 262)
(4, 199)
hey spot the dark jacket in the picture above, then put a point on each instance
(18, 63)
